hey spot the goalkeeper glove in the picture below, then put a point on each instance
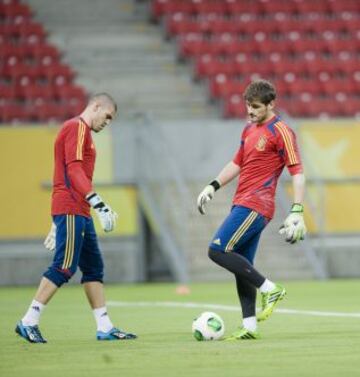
(105, 214)
(50, 240)
(207, 194)
(294, 227)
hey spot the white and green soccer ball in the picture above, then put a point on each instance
(208, 326)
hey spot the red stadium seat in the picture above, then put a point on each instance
(70, 94)
(21, 73)
(10, 2)
(340, 85)
(37, 93)
(13, 113)
(57, 73)
(11, 54)
(309, 49)
(31, 75)
(243, 7)
(206, 7)
(25, 32)
(50, 111)
(7, 93)
(284, 6)
(193, 44)
(14, 12)
(310, 86)
(160, 8)
(219, 25)
(216, 84)
(314, 67)
(179, 23)
(234, 107)
(157, 9)
(46, 54)
(213, 67)
(231, 88)
(351, 107)
(296, 66)
(75, 108)
(173, 6)
(344, 6)
(306, 6)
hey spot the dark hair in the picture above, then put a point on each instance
(260, 90)
(104, 98)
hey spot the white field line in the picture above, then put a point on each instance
(229, 308)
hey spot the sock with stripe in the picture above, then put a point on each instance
(32, 316)
(250, 323)
(238, 265)
(102, 319)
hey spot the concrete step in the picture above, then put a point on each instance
(114, 48)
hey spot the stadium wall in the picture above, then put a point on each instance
(27, 157)
(27, 160)
(331, 150)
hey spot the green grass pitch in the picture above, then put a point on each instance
(294, 344)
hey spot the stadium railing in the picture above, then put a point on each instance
(163, 195)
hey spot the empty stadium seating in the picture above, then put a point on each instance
(310, 49)
(35, 86)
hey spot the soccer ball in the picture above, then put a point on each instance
(208, 326)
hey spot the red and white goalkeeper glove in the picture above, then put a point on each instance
(50, 240)
(105, 214)
(294, 227)
(206, 195)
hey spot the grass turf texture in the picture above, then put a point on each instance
(291, 344)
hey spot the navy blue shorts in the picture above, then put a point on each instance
(76, 245)
(240, 232)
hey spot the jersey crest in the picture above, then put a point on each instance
(261, 143)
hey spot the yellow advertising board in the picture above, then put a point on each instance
(331, 154)
(26, 155)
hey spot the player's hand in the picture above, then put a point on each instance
(105, 214)
(50, 240)
(205, 196)
(294, 227)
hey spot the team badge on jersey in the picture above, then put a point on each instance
(261, 143)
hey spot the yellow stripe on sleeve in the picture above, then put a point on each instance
(80, 142)
(289, 145)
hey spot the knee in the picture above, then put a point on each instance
(95, 273)
(59, 276)
(213, 254)
(92, 276)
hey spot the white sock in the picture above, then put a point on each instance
(32, 316)
(267, 286)
(250, 323)
(102, 319)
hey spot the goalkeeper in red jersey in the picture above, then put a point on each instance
(267, 146)
(72, 235)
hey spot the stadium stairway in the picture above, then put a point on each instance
(113, 48)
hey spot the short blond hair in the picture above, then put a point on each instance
(103, 98)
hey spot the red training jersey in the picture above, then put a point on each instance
(264, 151)
(73, 144)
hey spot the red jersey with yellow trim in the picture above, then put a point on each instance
(73, 143)
(264, 151)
